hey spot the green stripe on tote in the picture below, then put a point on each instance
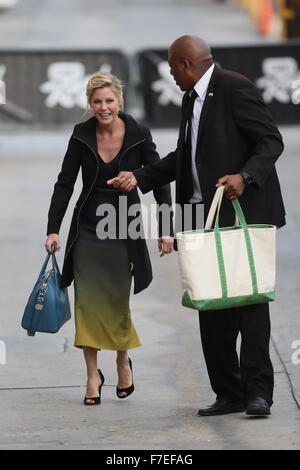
(229, 302)
(221, 264)
(240, 214)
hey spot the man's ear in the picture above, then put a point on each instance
(186, 65)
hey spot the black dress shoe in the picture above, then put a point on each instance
(258, 407)
(222, 407)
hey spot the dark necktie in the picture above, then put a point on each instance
(188, 188)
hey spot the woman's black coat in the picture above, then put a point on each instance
(82, 152)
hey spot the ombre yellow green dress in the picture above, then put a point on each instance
(102, 274)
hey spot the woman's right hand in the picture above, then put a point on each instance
(52, 242)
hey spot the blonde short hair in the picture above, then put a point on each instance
(102, 80)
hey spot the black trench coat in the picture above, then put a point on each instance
(82, 153)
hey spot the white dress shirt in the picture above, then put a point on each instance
(201, 89)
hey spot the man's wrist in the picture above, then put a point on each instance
(247, 179)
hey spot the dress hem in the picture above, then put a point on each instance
(106, 348)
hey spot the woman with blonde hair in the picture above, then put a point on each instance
(100, 260)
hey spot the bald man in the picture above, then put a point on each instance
(227, 137)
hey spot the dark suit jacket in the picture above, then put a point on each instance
(236, 133)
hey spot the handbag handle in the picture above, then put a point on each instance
(54, 264)
(215, 207)
(214, 211)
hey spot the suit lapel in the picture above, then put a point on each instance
(181, 139)
(208, 103)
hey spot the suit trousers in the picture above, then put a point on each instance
(249, 375)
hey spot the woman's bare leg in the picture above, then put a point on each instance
(124, 372)
(93, 379)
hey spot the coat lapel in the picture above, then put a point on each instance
(86, 132)
(208, 103)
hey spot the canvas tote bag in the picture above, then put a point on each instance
(224, 267)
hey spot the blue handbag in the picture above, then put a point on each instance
(48, 306)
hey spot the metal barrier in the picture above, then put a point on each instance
(274, 69)
(49, 87)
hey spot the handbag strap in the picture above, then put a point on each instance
(215, 207)
(45, 264)
(54, 263)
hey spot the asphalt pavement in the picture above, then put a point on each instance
(42, 383)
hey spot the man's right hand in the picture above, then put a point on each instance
(52, 243)
(125, 180)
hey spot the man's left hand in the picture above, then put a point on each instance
(234, 185)
(165, 245)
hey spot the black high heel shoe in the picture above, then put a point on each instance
(95, 400)
(128, 390)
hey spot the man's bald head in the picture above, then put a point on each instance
(192, 48)
(189, 59)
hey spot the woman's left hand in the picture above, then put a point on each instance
(165, 245)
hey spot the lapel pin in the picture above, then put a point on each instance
(210, 94)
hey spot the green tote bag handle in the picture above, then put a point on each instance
(214, 212)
